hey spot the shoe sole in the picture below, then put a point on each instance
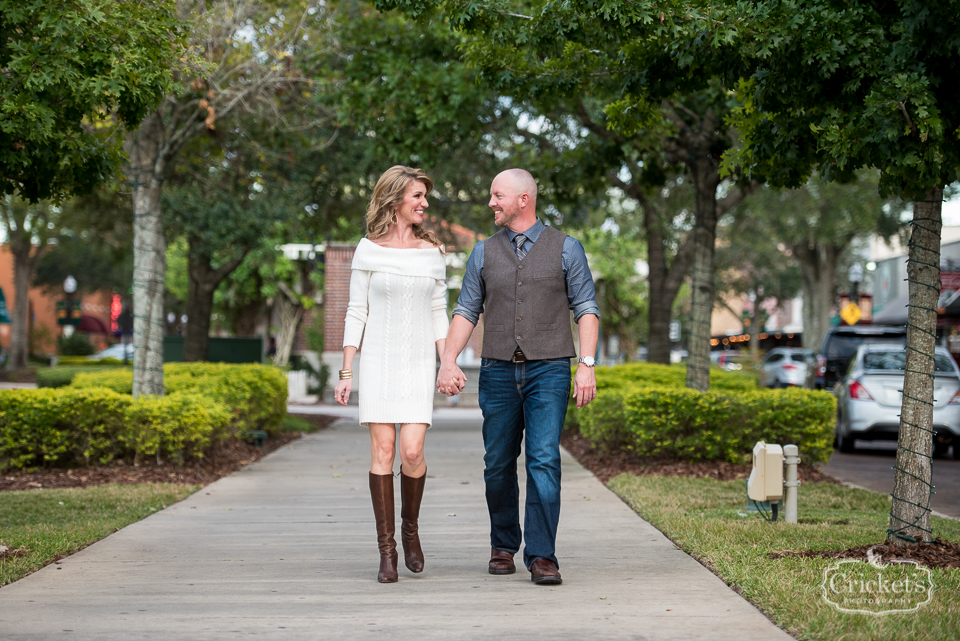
(547, 580)
(511, 571)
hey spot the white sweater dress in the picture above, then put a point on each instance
(398, 308)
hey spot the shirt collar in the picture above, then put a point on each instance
(532, 233)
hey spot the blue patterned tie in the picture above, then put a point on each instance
(519, 240)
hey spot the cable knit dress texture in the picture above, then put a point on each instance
(398, 308)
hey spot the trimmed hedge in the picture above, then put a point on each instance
(63, 376)
(629, 375)
(257, 394)
(64, 427)
(658, 417)
(96, 419)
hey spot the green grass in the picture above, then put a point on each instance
(297, 424)
(700, 516)
(48, 523)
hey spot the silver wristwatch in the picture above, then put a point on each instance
(588, 361)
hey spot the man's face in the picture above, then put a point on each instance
(504, 201)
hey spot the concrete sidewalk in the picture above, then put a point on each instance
(286, 549)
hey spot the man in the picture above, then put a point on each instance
(530, 277)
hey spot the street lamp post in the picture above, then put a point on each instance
(69, 288)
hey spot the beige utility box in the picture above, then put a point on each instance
(766, 477)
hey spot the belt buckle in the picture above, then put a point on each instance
(518, 357)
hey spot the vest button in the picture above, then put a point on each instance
(518, 284)
(521, 267)
(518, 338)
(518, 318)
(519, 301)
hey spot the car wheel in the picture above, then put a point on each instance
(845, 443)
(940, 450)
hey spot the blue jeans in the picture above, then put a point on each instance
(520, 399)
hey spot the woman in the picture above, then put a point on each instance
(398, 307)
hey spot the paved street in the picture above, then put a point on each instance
(286, 549)
(871, 466)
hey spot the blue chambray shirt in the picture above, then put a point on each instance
(580, 290)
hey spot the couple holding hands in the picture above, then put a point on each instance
(525, 279)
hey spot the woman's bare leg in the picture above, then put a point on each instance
(411, 449)
(383, 439)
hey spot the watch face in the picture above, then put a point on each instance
(587, 360)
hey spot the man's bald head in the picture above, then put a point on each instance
(520, 182)
(513, 198)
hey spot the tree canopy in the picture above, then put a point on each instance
(74, 72)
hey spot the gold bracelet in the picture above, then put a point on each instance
(346, 374)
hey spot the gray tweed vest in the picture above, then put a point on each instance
(526, 300)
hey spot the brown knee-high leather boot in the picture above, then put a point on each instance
(411, 492)
(381, 491)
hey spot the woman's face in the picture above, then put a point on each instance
(414, 202)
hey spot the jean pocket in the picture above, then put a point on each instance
(485, 363)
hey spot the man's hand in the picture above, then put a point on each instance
(450, 379)
(584, 385)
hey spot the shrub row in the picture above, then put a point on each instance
(96, 419)
(256, 394)
(63, 376)
(657, 420)
(64, 427)
(630, 375)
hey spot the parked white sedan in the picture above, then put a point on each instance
(870, 394)
(784, 367)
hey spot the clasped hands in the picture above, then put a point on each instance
(450, 379)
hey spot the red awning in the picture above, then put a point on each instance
(93, 325)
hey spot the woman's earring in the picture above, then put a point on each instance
(394, 219)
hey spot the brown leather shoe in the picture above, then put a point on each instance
(501, 562)
(544, 572)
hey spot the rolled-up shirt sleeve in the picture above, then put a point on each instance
(438, 310)
(472, 292)
(581, 293)
(357, 308)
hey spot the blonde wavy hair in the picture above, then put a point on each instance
(387, 198)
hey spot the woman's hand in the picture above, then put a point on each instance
(342, 392)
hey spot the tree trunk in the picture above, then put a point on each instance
(755, 331)
(809, 312)
(664, 284)
(818, 264)
(910, 510)
(706, 180)
(291, 311)
(196, 343)
(149, 256)
(20, 319)
(204, 280)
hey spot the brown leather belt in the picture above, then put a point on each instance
(518, 357)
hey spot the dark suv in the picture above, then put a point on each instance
(839, 345)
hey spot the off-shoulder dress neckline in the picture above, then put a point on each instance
(422, 249)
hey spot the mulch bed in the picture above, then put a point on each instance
(606, 465)
(938, 554)
(18, 376)
(226, 458)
